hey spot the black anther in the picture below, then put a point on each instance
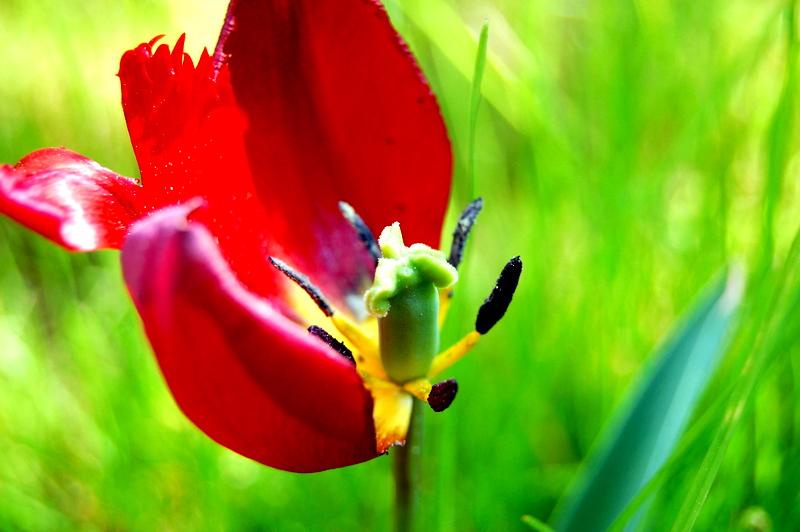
(305, 284)
(495, 306)
(337, 346)
(364, 232)
(461, 232)
(442, 395)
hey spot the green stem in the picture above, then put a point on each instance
(407, 467)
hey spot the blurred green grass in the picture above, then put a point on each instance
(627, 150)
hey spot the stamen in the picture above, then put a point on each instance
(337, 346)
(461, 232)
(364, 232)
(442, 395)
(305, 284)
(438, 396)
(495, 306)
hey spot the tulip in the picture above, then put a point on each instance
(238, 249)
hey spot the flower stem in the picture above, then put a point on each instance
(407, 468)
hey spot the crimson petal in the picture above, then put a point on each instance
(248, 377)
(301, 106)
(70, 199)
(188, 136)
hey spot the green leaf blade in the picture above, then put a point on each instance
(647, 425)
(475, 103)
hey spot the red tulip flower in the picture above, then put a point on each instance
(244, 156)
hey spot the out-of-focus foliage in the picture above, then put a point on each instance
(627, 150)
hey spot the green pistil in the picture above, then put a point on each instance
(405, 299)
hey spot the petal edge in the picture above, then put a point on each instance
(70, 199)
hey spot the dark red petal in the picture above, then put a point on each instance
(70, 199)
(187, 133)
(252, 380)
(337, 110)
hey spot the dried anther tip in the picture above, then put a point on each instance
(364, 232)
(495, 306)
(337, 346)
(463, 227)
(305, 284)
(442, 395)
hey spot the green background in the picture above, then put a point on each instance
(626, 149)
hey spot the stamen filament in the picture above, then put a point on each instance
(419, 388)
(445, 297)
(367, 347)
(453, 354)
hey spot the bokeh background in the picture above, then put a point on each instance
(626, 149)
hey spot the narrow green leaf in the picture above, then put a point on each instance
(771, 334)
(475, 103)
(646, 427)
(780, 137)
(704, 423)
(536, 524)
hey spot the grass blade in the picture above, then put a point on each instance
(772, 332)
(779, 138)
(646, 427)
(536, 524)
(475, 103)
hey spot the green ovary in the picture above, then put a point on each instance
(409, 334)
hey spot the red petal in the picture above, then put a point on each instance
(252, 380)
(187, 132)
(70, 199)
(337, 110)
(329, 106)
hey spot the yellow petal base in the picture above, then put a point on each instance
(391, 414)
